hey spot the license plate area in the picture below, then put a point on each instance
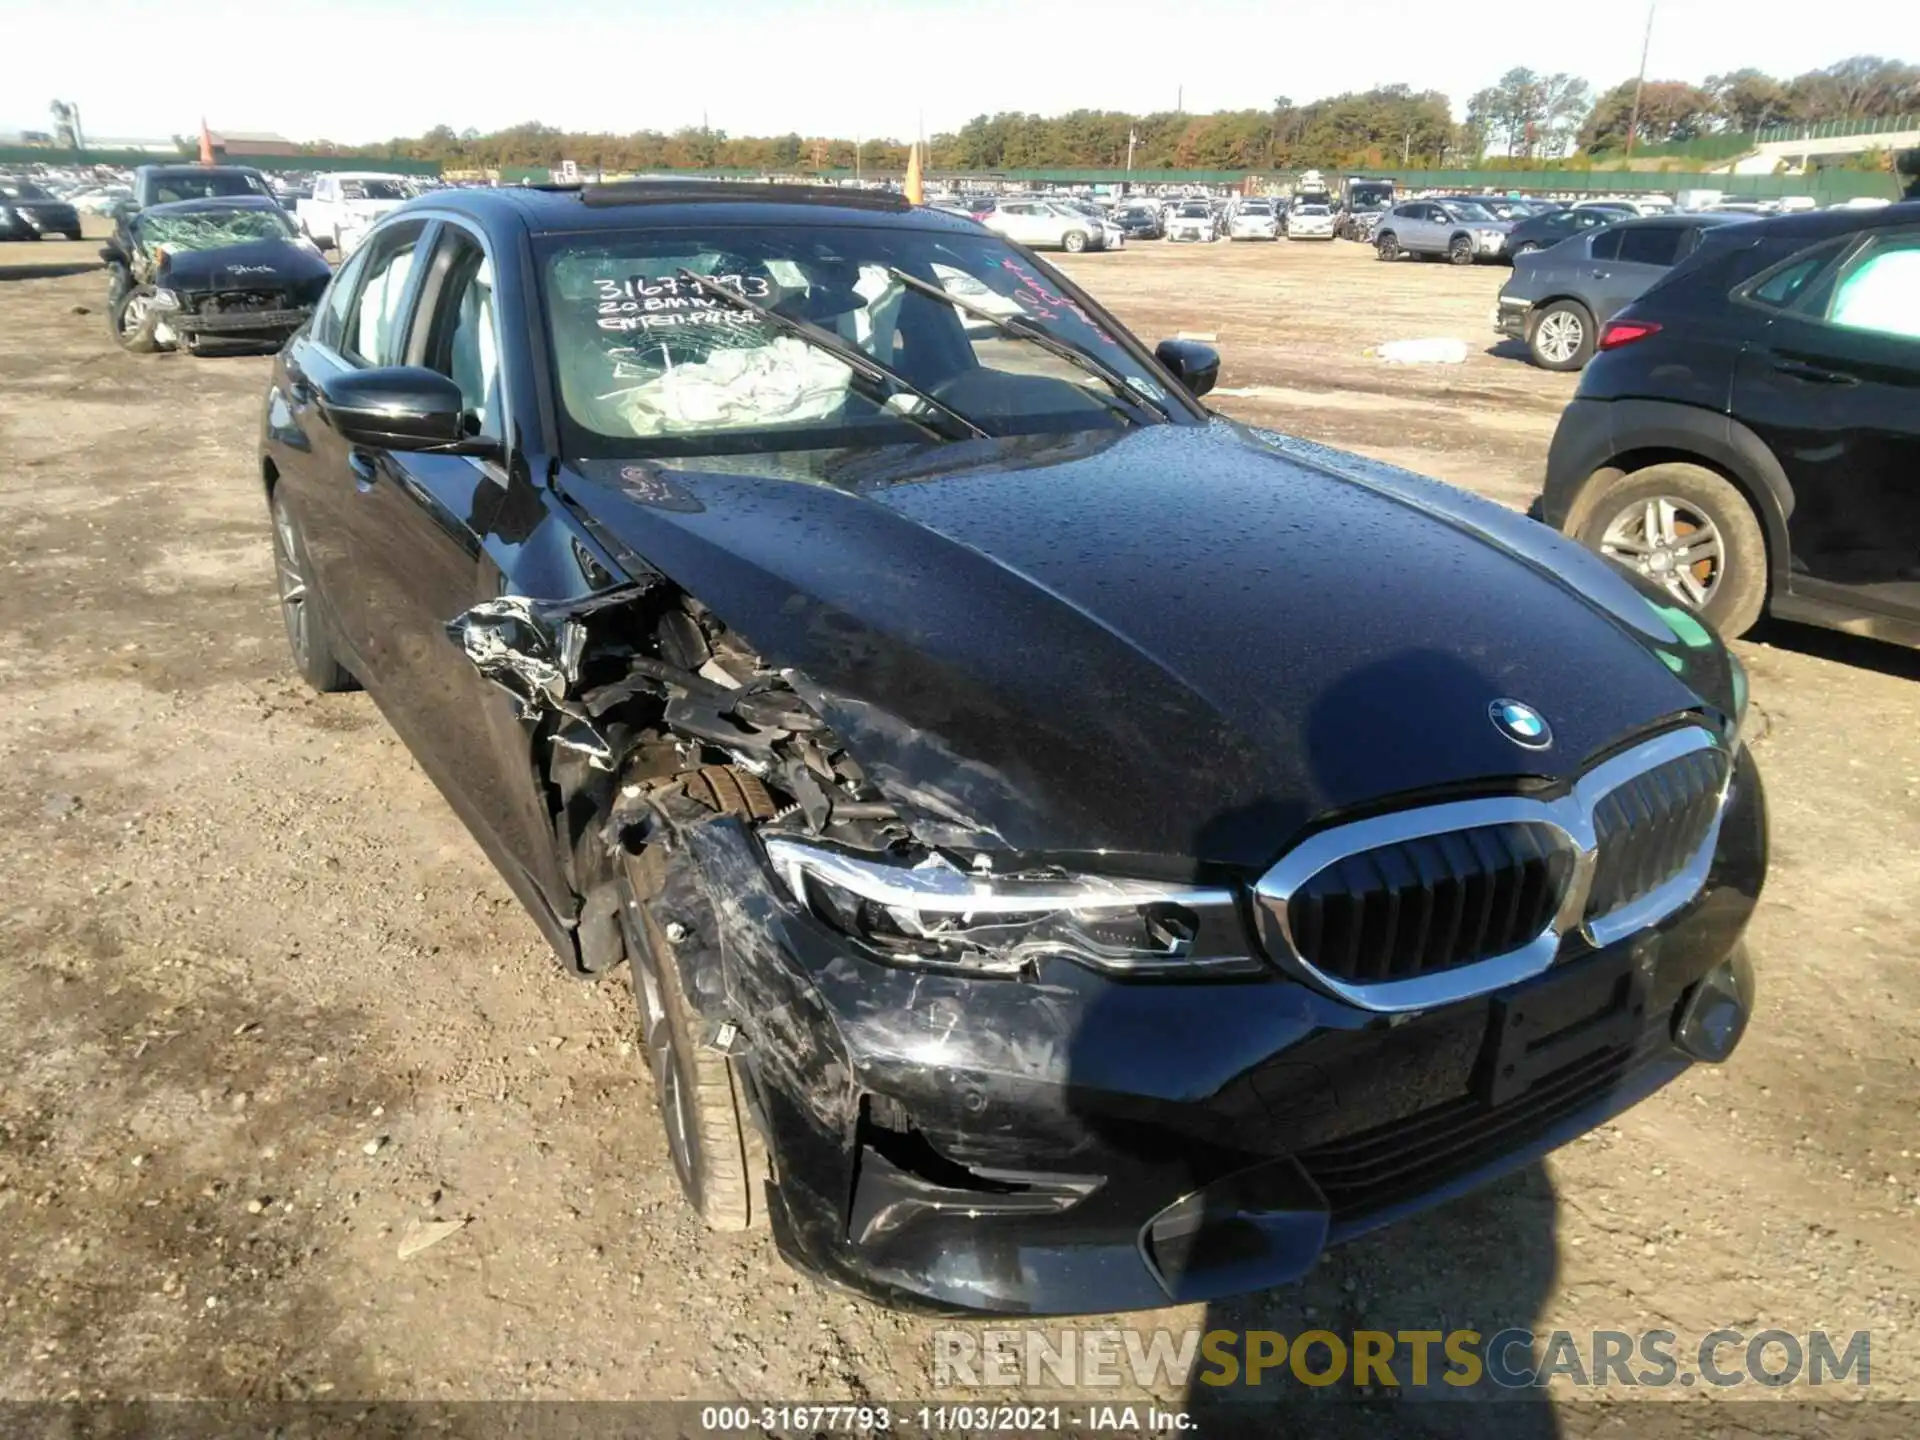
(1561, 1018)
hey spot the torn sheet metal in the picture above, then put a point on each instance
(532, 650)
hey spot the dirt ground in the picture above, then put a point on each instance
(268, 1011)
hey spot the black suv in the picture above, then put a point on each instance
(1748, 436)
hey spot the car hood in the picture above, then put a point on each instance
(1175, 641)
(256, 265)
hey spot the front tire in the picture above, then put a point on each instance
(1561, 336)
(717, 1150)
(1387, 247)
(309, 632)
(1074, 242)
(1460, 250)
(1689, 531)
(132, 318)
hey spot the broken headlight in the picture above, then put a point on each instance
(935, 913)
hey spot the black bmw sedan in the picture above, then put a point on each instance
(1047, 882)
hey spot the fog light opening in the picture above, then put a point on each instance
(1714, 1014)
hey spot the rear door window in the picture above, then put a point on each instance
(1606, 246)
(1878, 288)
(1793, 280)
(1650, 244)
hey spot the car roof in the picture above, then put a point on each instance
(194, 169)
(670, 204)
(1820, 224)
(214, 202)
(1695, 219)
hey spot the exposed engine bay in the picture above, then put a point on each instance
(655, 717)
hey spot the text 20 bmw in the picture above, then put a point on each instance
(1049, 882)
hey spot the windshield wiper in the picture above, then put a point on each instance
(1022, 328)
(862, 364)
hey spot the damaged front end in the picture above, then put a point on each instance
(904, 1016)
(990, 1081)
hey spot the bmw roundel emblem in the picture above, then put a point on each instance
(1522, 724)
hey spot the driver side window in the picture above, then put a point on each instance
(462, 338)
(374, 324)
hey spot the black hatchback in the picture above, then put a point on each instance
(1748, 436)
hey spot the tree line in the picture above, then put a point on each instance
(1525, 116)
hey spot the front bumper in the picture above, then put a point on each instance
(247, 324)
(1510, 317)
(1075, 1144)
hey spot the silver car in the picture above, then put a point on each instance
(1043, 225)
(1310, 222)
(1462, 230)
(1254, 220)
(1192, 221)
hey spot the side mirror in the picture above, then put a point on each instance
(401, 407)
(113, 255)
(1194, 365)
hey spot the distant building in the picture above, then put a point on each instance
(253, 142)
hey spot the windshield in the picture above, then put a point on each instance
(1468, 210)
(1372, 197)
(1256, 207)
(211, 229)
(1194, 212)
(374, 190)
(1311, 210)
(206, 185)
(22, 190)
(648, 365)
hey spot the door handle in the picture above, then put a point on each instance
(1800, 370)
(365, 471)
(1603, 274)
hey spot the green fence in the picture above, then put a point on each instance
(48, 155)
(1823, 186)
(1830, 129)
(1707, 148)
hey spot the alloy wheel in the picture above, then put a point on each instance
(1560, 336)
(293, 584)
(133, 315)
(1672, 543)
(666, 1074)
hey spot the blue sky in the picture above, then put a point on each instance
(361, 71)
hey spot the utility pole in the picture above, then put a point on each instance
(1406, 153)
(1133, 139)
(1180, 100)
(1640, 81)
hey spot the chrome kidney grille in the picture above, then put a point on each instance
(1432, 902)
(1419, 907)
(1650, 827)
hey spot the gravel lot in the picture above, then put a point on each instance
(269, 1011)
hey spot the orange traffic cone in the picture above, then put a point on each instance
(916, 191)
